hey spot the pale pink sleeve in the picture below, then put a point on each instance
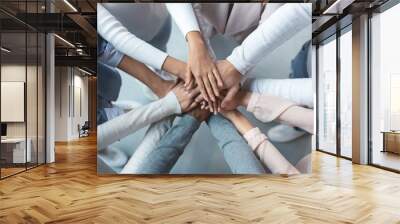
(268, 154)
(267, 108)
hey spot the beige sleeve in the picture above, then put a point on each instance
(268, 154)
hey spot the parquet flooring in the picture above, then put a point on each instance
(69, 191)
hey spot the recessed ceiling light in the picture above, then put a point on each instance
(65, 41)
(84, 71)
(70, 5)
(5, 50)
(337, 7)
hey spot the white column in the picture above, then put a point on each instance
(360, 90)
(50, 100)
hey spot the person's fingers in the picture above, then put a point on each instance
(202, 89)
(194, 93)
(217, 76)
(208, 89)
(213, 84)
(218, 105)
(215, 106)
(192, 83)
(188, 79)
(199, 98)
(203, 105)
(229, 96)
(192, 106)
(211, 107)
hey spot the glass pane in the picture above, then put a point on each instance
(386, 89)
(41, 99)
(31, 98)
(32, 88)
(346, 94)
(327, 96)
(13, 87)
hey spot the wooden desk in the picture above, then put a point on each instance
(13, 150)
(391, 141)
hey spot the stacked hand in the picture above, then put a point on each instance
(209, 76)
(206, 77)
(186, 97)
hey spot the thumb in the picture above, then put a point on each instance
(188, 79)
(230, 96)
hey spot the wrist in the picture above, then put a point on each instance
(175, 67)
(194, 38)
(232, 69)
(161, 90)
(244, 98)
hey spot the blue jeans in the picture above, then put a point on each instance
(171, 146)
(300, 63)
(108, 86)
(236, 151)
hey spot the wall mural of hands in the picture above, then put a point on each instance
(187, 91)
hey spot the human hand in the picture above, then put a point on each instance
(199, 114)
(231, 78)
(185, 97)
(178, 68)
(241, 98)
(202, 67)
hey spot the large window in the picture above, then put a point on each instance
(335, 94)
(385, 89)
(346, 92)
(327, 96)
(22, 88)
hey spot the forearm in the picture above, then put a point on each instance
(241, 123)
(280, 27)
(170, 147)
(299, 117)
(267, 108)
(141, 72)
(125, 42)
(174, 66)
(184, 17)
(126, 124)
(268, 154)
(299, 90)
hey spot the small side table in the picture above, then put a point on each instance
(391, 141)
(14, 150)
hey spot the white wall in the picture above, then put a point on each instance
(70, 83)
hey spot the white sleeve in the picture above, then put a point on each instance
(183, 15)
(126, 124)
(115, 33)
(269, 35)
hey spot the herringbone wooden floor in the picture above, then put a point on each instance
(70, 191)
